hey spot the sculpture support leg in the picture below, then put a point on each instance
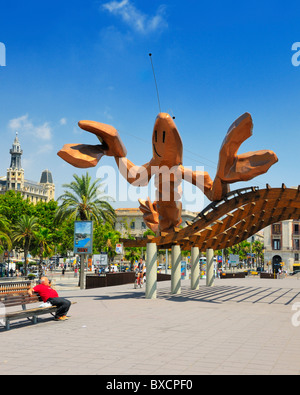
(195, 274)
(176, 270)
(209, 267)
(151, 271)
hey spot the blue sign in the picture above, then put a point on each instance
(83, 237)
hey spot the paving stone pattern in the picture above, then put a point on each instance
(238, 326)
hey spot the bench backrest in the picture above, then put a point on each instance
(15, 293)
(10, 300)
(14, 287)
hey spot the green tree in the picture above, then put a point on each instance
(111, 239)
(45, 212)
(83, 200)
(241, 249)
(13, 206)
(149, 232)
(43, 246)
(99, 238)
(5, 240)
(63, 236)
(132, 254)
(257, 249)
(24, 233)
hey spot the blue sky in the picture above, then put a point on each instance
(73, 60)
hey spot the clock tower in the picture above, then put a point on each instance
(15, 173)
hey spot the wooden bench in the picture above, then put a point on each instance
(14, 294)
(233, 275)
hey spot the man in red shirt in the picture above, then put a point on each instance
(49, 294)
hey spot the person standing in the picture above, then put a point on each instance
(141, 267)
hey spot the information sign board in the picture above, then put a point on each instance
(83, 237)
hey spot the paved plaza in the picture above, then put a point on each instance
(238, 326)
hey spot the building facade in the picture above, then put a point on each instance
(282, 245)
(130, 221)
(44, 190)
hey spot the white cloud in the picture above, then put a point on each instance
(20, 123)
(107, 113)
(63, 121)
(43, 132)
(77, 131)
(44, 149)
(136, 19)
(25, 125)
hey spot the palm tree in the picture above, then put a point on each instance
(24, 234)
(132, 254)
(43, 246)
(83, 200)
(111, 238)
(242, 249)
(5, 240)
(257, 248)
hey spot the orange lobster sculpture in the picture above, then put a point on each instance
(164, 214)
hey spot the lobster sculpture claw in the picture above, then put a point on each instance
(164, 214)
(233, 167)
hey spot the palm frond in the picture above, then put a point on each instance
(84, 200)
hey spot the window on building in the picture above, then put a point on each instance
(296, 257)
(276, 244)
(296, 229)
(276, 229)
(143, 225)
(132, 225)
(296, 244)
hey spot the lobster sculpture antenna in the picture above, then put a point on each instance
(164, 214)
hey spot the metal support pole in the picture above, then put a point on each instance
(195, 273)
(151, 271)
(209, 267)
(176, 270)
(167, 261)
(81, 279)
